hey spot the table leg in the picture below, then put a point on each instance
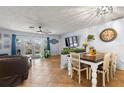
(69, 69)
(94, 75)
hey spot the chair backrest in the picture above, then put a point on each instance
(106, 61)
(75, 59)
(113, 59)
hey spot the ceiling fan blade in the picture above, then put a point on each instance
(46, 32)
(39, 31)
(31, 26)
(42, 32)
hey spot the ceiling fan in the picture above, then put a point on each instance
(40, 30)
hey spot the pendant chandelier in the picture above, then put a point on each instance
(104, 10)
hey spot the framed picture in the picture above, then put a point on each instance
(6, 46)
(6, 35)
(6, 41)
(54, 41)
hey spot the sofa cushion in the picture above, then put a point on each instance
(13, 70)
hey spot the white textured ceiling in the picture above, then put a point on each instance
(57, 19)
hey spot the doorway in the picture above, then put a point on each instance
(33, 47)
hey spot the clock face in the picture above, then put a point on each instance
(108, 35)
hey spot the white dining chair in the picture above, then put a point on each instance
(104, 70)
(76, 65)
(113, 65)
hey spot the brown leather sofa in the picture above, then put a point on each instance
(13, 70)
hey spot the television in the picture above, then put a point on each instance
(71, 41)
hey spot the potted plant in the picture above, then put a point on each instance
(46, 53)
(90, 38)
(85, 44)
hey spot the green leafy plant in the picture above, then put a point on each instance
(90, 37)
(85, 44)
(46, 53)
(68, 50)
(78, 50)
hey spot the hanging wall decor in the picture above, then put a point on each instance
(54, 41)
(7, 41)
(108, 35)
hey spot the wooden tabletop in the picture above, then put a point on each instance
(92, 58)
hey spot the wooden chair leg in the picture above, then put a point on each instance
(79, 80)
(107, 76)
(114, 70)
(111, 73)
(87, 74)
(72, 74)
(103, 79)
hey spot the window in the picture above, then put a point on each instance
(71, 41)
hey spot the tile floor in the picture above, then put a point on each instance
(47, 73)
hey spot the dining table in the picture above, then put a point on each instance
(93, 61)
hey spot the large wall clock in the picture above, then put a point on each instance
(108, 35)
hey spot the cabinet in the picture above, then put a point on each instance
(65, 63)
